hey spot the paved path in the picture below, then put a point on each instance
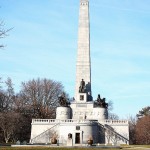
(139, 148)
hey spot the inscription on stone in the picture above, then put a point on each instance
(81, 105)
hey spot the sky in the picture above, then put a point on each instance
(43, 43)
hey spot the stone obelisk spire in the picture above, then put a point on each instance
(83, 64)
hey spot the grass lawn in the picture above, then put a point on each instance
(130, 147)
(44, 148)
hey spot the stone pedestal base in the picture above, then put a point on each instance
(69, 142)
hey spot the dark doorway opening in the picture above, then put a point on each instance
(77, 138)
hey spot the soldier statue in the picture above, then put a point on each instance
(82, 86)
(101, 102)
(63, 101)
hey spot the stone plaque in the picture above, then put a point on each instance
(81, 105)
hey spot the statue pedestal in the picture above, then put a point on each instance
(69, 142)
(82, 97)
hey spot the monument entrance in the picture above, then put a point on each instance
(77, 138)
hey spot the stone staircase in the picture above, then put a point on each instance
(44, 136)
(112, 135)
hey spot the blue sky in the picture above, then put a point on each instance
(43, 43)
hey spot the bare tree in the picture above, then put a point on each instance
(7, 97)
(113, 116)
(110, 135)
(3, 103)
(110, 106)
(144, 112)
(3, 32)
(8, 123)
(8, 118)
(132, 127)
(36, 99)
(0, 83)
(10, 94)
(143, 130)
(40, 97)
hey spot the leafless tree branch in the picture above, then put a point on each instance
(3, 32)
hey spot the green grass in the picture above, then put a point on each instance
(127, 147)
(44, 148)
(50, 148)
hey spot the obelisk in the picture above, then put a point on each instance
(83, 64)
